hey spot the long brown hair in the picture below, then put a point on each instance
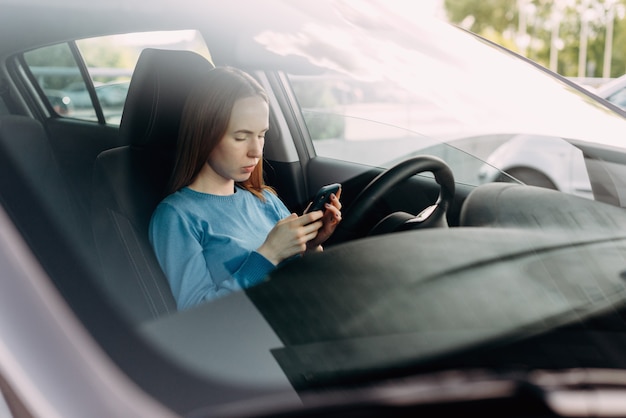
(204, 123)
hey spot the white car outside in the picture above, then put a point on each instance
(539, 161)
(547, 161)
(614, 91)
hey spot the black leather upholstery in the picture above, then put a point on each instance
(25, 145)
(130, 181)
(37, 182)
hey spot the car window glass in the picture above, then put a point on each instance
(110, 62)
(373, 124)
(56, 71)
(344, 113)
(618, 98)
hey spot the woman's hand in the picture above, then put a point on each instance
(297, 234)
(330, 220)
(291, 235)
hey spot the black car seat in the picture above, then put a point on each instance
(129, 181)
(34, 187)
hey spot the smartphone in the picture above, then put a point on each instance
(322, 197)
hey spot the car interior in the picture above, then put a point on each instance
(428, 275)
(106, 188)
(83, 206)
(111, 206)
(130, 181)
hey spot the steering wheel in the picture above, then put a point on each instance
(358, 215)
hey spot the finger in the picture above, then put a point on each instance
(299, 244)
(332, 213)
(331, 222)
(311, 217)
(288, 218)
(334, 199)
(312, 227)
(311, 236)
(337, 217)
(291, 221)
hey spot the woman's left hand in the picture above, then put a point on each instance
(331, 218)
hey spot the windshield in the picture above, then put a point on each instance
(463, 80)
(480, 222)
(379, 90)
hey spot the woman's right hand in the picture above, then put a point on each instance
(290, 236)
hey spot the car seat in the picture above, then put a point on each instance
(130, 181)
(36, 187)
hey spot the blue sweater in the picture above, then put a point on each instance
(206, 244)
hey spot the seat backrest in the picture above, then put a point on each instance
(25, 152)
(130, 181)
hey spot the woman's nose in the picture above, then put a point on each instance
(256, 148)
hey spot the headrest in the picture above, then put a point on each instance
(160, 84)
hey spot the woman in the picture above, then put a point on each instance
(221, 228)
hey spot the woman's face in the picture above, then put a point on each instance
(241, 148)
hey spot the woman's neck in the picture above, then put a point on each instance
(203, 184)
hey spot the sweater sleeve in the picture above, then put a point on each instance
(256, 267)
(180, 254)
(253, 270)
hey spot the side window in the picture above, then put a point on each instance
(109, 62)
(378, 125)
(56, 71)
(373, 124)
(346, 119)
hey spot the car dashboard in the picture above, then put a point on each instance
(527, 264)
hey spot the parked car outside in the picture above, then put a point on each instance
(437, 294)
(112, 94)
(524, 157)
(60, 101)
(79, 95)
(614, 91)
